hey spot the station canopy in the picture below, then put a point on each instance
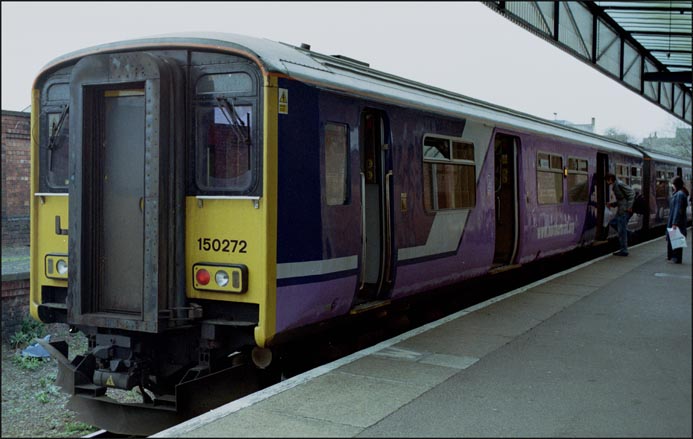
(645, 45)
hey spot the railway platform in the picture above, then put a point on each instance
(602, 349)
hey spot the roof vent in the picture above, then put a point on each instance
(305, 46)
(355, 61)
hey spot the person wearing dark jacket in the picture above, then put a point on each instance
(677, 217)
(625, 195)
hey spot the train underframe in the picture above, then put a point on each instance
(192, 370)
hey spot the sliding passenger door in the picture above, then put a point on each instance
(376, 205)
(505, 193)
(602, 190)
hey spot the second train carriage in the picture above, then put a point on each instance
(660, 169)
(210, 193)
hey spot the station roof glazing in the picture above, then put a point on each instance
(661, 27)
(645, 45)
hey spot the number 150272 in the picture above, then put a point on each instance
(222, 245)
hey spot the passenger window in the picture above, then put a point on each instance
(549, 178)
(336, 163)
(661, 186)
(578, 185)
(449, 173)
(636, 179)
(623, 173)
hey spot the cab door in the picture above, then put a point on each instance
(126, 188)
(120, 198)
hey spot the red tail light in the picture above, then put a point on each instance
(202, 277)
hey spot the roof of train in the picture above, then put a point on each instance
(665, 158)
(344, 74)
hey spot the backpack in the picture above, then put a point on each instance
(639, 204)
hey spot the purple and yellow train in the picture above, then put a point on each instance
(197, 197)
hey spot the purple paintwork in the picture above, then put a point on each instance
(542, 230)
(303, 304)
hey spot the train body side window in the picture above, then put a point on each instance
(336, 163)
(449, 173)
(662, 188)
(636, 178)
(577, 180)
(225, 125)
(549, 178)
(623, 174)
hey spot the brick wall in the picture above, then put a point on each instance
(15, 216)
(15, 178)
(15, 305)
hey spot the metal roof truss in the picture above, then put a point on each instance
(645, 45)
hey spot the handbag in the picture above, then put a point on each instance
(676, 238)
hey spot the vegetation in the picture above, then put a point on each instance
(32, 403)
(28, 363)
(28, 331)
(680, 145)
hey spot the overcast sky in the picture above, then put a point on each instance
(463, 47)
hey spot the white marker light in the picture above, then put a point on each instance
(61, 266)
(221, 278)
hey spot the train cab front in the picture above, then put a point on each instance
(147, 225)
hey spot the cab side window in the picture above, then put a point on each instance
(55, 140)
(227, 148)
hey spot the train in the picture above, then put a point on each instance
(201, 199)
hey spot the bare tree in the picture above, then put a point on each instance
(616, 134)
(683, 140)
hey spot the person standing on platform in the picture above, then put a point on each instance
(677, 217)
(624, 201)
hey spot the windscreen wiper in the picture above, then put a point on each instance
(54, 135)
(234, 120)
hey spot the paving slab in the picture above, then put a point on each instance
(602, 350)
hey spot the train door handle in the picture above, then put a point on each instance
(141, 203)
(388, 229)
(498, 210)
(363, 230)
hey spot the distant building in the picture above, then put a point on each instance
(585, 127)
(678, 145)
